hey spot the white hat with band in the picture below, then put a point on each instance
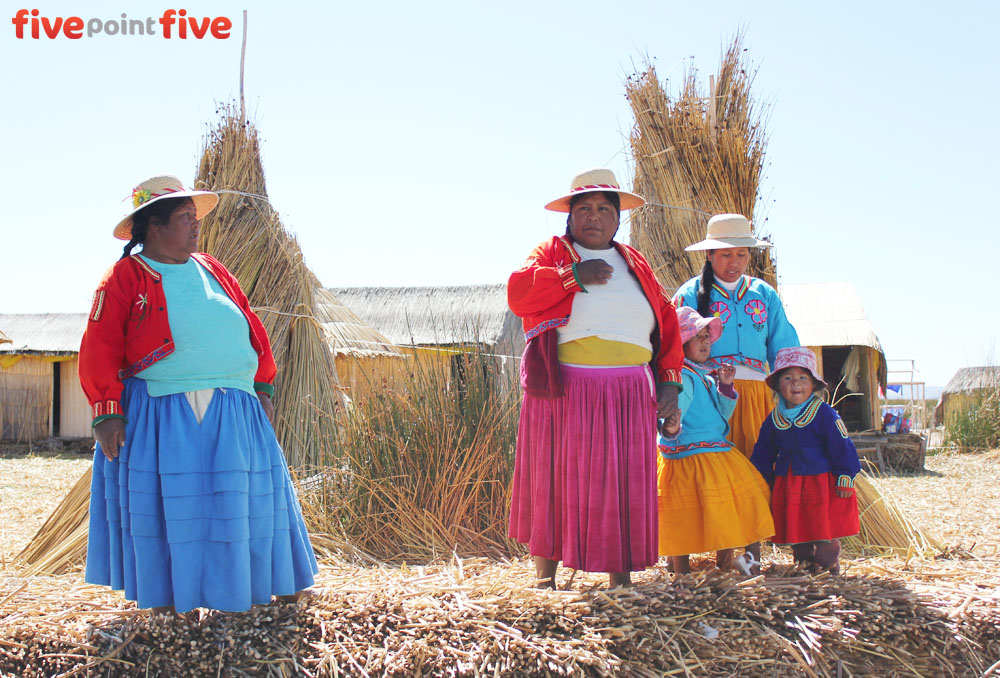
(595, 181)
(728, 230)
(158, 188)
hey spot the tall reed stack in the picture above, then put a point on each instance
(246, 234)
(696, 155)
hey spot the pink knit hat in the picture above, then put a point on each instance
(692, 323)
(797, 356)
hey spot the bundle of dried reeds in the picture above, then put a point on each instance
(696, 155)
(246, 234)
(61, 542)
(477, 618)
(885, 527)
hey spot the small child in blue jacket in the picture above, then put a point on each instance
(804, 453)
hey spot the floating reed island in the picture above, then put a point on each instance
(477, 617)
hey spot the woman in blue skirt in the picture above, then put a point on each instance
(191, 502)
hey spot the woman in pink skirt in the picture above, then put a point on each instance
(602, 361)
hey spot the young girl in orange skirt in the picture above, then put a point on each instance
(804, 452)
(710, 497)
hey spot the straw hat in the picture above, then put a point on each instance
(691, 323)
(797, 356)
(157, 188)
(728, 230)
(592, 181)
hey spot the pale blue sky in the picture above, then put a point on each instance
(415, 143)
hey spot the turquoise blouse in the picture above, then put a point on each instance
(211, 335)
(754, 325)
(704, 416)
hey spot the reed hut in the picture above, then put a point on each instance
(831, 321)
(359, 350)
(696, 154)
(40, 393)
(969, 386)
(436, 325)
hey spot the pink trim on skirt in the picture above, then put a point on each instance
(585, 473)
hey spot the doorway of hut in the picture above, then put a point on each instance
(850, 405)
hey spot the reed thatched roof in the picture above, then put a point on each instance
(970, 379)
(346, 332)
(828, 314)
(438, 316)
(42, 333)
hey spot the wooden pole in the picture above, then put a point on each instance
(243, 58)
(711, 106)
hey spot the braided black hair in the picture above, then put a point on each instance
(705, 289)
(159, 210)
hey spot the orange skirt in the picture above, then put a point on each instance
(752, 407)
(710, 501)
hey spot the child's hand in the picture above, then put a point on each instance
(726, 374)
(671, 425)
(845, 486)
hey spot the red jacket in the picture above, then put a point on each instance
(541, 294)
(128, 330)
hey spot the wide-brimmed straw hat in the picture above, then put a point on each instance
(728, 230)
(593, 181)
(158, 188)
(691, 323)
(797, 356)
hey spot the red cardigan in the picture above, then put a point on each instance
(128, 330)
(541, 294)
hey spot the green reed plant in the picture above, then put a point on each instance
(976, 427)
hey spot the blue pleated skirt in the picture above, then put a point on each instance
(197, 515)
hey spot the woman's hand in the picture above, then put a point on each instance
(265, 402)
(594, 272)
(666, 403)
(110, 433)
(845, 492)
(726, 374)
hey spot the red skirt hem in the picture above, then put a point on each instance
(807, 508)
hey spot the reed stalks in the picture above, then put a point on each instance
(976, 425)
(697, 154)
(427, 463)
(885, 527)
(245, 233)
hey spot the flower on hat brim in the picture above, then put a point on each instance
(139, 196)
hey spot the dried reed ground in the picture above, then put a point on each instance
(956, 499)
(32, 483)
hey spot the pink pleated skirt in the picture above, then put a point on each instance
(585, 472)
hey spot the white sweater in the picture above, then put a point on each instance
(616, 311)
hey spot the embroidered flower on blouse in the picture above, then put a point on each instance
(720, 311)
(139, 196)
(757, 311)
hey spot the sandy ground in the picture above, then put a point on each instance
(31, 485)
